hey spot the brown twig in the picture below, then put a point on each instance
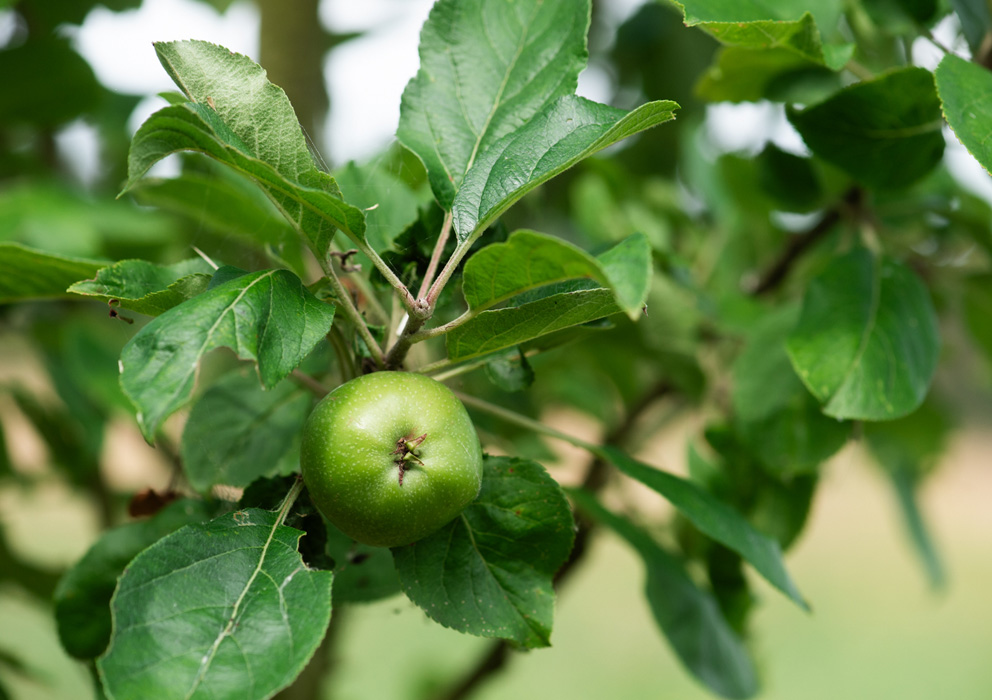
(493, 661)
(983, 56)
(307, 382)
(397, 353)
(775, 275)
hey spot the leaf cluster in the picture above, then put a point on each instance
(794, 297)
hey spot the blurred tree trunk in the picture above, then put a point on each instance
(292, 46)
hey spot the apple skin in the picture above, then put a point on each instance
(353, 440)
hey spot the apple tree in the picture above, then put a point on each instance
(529, 249)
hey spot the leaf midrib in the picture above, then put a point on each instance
(208, 659)
(210, 333)
(499, 93)
(533, 625)
(280, 184)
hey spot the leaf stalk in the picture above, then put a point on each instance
(346, 303)
(442, 241)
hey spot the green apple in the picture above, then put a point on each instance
(390, 457)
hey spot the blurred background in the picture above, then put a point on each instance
(79, 77)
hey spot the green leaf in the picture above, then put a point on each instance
(489, 571)
(173, 97)
(51, 13)
(765, 24)
(486, 68)
(269, 493)
(389, 204)
(965, 90)
(257, 112)
(528, 260)
(908, 450)
(800, 36)
(781, 508)
(914, 443)
(628, 268)
(712, 517)
(776, 416)
(797, 438)
(223, 201)
(510, 370)
(921, 11)
(748, 75)
(26, 273)
(689, 616)
(503, 328)
(883, 132)
(146, 287)
(313, 207)
(907, 494)
(789, 180)
(224, 274)
(763, 378)
(776, 502)
(266, 316)
(238, 117)
(567, 131)
(55, 217)
(220, 610)
(704, 471)
(237, 433)
(867, 342)
(82, 598)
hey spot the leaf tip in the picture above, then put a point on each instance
(147, 431)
